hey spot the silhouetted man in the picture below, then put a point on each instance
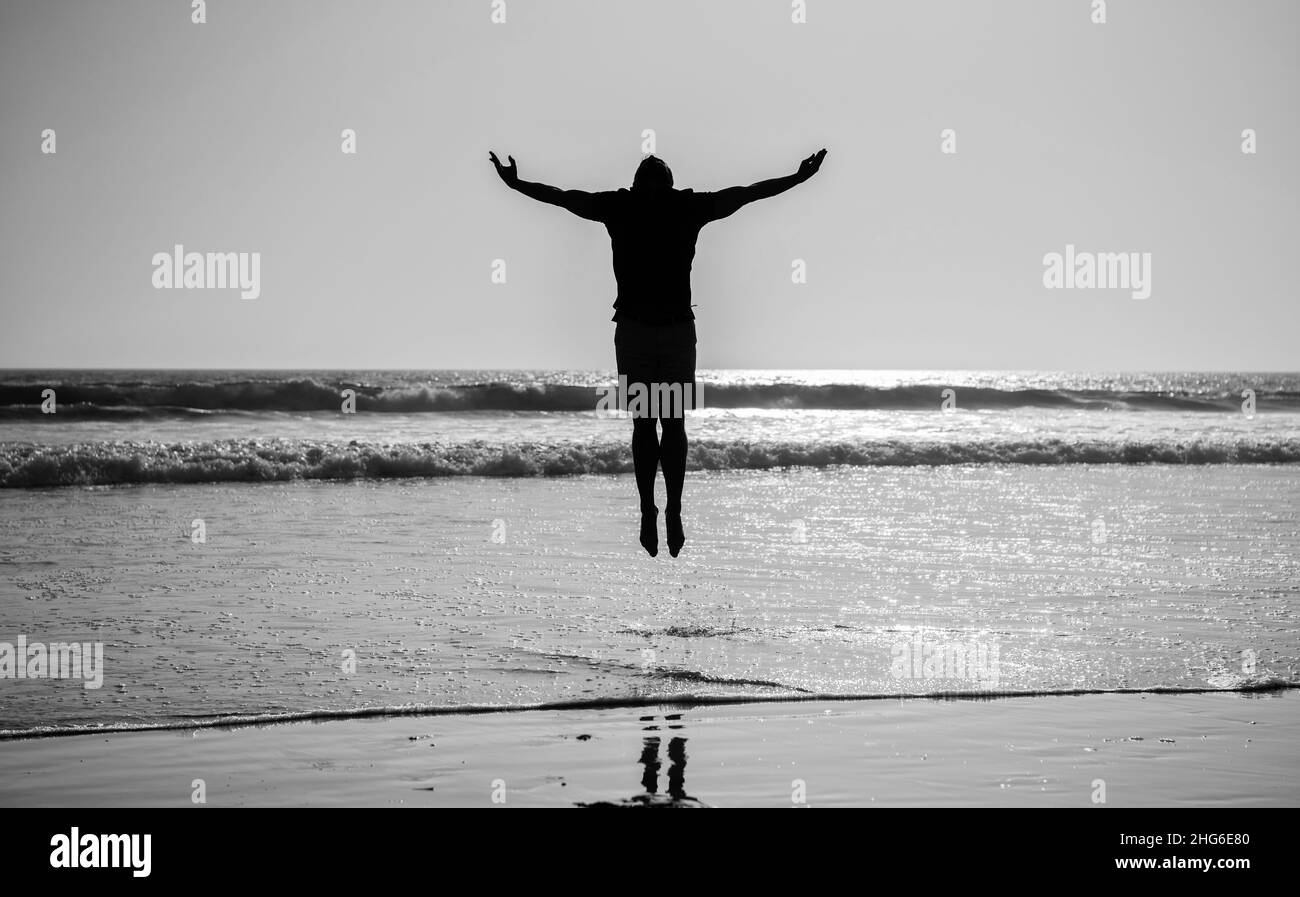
(652, 229)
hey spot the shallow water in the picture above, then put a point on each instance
(887, 580)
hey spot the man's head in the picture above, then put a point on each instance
(652, 174)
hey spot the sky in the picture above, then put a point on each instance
(226, 137)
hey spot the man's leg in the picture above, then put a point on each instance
(672, 454)
(635, 358)
(645, 460)
(678, 368)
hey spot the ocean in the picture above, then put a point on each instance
(244, 550)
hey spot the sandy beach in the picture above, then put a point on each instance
(785, 659)
(1194, 750)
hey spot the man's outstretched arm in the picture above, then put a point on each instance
(580, 203)
(727, 201)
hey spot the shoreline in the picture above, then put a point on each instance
(244, 721)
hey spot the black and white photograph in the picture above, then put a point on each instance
(609, 404)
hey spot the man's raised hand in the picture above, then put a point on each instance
(510, 173)
(808, 167)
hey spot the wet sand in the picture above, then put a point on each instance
(1193, 750)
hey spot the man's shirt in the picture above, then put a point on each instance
(653, 238)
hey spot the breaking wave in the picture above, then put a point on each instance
(201, 398)
(112, 463)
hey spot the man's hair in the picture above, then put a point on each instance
(652, 174)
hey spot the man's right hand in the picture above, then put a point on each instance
(509, 173)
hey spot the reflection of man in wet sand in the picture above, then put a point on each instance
(677, 796)
(652, 229)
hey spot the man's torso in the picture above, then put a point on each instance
(653, 239)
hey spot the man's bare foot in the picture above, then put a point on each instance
(676, 537)
(650, 531)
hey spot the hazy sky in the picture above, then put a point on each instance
(225, 136)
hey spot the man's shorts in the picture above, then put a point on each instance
(662, 354)
(655, 353)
